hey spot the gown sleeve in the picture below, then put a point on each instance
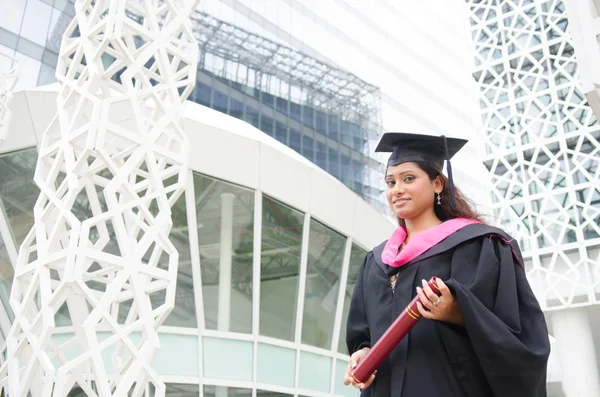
(504, 337)
(357, 327)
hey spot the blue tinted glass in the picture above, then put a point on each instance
(295, 142)
(282, 105)
(202, 94)
(345, 137)
(220, 101)
(308, 115)
(334, 168)
(252, 116)
(295, 111)
(321, 155)
(346, 171)
(281, 132)
(308, 150)
(268, 99)
(236, 108)
(333, 127)
(321, 122)
(266, 124)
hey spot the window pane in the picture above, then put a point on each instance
(181, 390)
(321, 122)
(223, 391)
(6, 277)
(184, 313)
(252, 116)
(334, 167)
(357, 257)
(308, 150)
(220, 101)
(268, 393)
(266, 124)
(281, 132)
(202, 94)
(295, 142)
(296, 111)
(308, 116)
(236, 108)
(18, 193)
(225, 214)
(280, 265)
(321, 155)
(324, 267)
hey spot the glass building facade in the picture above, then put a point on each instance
(279, 328)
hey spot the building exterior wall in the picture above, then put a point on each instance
(277, 324)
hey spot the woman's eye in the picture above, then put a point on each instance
(409, 178)
(390, 183)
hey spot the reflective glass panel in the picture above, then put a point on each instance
(281, 243)
(357, 257)
(324, 267)
(182, 390)
(225, 214)
(223, 391)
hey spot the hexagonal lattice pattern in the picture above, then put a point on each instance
(116, 148)
(542, 146)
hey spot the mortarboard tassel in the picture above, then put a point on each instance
(449, 168)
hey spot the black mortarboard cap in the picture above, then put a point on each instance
(406, 147)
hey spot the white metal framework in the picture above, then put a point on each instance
(116, 144)
(9, 76)
(542, 144)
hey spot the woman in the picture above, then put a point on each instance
(485, 335)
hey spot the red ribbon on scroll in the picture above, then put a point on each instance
(390, 339)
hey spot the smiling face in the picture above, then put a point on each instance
(410, 191)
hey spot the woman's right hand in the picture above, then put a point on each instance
(354, 360)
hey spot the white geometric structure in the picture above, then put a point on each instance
(542, 144)
(584, 23)
(543, 154)
(108, 270)
(9, 75)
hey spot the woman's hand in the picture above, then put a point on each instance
(442, 308)
(354, 360)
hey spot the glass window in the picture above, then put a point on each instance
(346, 171)
(308, 116)
(281, 132)
(181, 390)
(295, 140)
(227, 358)
(345, 136)
(223, 391)
(252, 116)
(225, 216)
(333, 127)
(296, 111)
(357, 257)
(308, 150)
(268, 99)
(236, 108)
(325, 258)
(220, 101)
(6, 277)
(184, 313)
(268, 393)
(275, 365)
(266, 124)
(281, 243)
(334, 167)
(18, 192)
(202, 94)
(321, 155)
(321, 122)
(282, 105)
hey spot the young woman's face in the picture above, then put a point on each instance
(409, 190)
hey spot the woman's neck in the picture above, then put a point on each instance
(420, 224)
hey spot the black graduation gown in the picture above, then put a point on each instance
(501, 351)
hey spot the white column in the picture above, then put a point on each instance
(224, 311)
(576, 352)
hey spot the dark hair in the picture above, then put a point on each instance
(465, 208)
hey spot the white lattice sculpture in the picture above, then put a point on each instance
(543, 149)
(9, 76)
(111, 165)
